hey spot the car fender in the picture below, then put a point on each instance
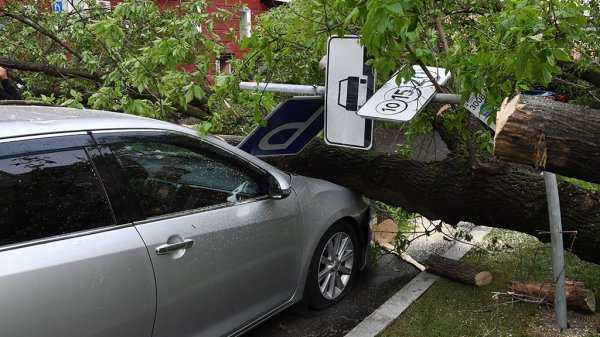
(323, 203)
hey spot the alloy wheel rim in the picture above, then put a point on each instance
(335, 266)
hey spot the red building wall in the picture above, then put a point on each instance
(222, 28)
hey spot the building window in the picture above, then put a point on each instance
(245, 22)
(223, 64)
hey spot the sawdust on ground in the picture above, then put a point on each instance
(543, 324)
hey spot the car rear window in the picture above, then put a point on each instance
(48, 194)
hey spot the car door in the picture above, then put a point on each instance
(67, 268)
(223, 252)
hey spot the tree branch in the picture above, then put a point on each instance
(425, 70)
(26, 21)
(50, 70)
(588, 75)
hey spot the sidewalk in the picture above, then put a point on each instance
(392, 308)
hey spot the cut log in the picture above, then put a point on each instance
(385, 232)
(550, 135)
(578, 298)
(458, 271)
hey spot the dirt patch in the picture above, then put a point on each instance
(543, 324)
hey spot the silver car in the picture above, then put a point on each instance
(117, 225)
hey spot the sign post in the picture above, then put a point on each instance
(349, 83)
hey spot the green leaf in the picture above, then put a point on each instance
(537, 37)
(198, 92)
(189, 96)
(205, 127)
(561, 55)
(352, 16)
(396, 7)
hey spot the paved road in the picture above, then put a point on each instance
(373, 287)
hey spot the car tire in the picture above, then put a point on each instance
(333, 267)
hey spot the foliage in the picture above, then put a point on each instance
(402, 218)
(138, 58)
(498, 47)
(285, 47)
(587, 185)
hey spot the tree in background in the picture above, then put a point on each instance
(136, 58)
(500, 47)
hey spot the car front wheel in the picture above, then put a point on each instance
(333, 266)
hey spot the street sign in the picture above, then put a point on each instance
(290, 127)
(348, 85)
(476, 104)
(57, 6)
(400, 103)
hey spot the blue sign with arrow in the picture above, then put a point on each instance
(57, 6)
(290, 127)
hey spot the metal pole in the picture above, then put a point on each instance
(558, 258)
(319, 90)
(446, 98)
(285, 88)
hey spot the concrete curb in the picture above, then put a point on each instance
(392, 308)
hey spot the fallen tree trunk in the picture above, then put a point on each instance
(550, 135)
(578, 298)
(458, 271)
(451, 191)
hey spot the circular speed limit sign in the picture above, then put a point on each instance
(391, 107)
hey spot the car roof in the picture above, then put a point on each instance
(18, 120)
(23, 120)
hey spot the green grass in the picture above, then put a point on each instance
(452, 309)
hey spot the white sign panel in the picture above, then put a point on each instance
(348, 85)
(402, 103)
(476, 104)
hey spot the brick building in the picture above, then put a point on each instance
(246, 16)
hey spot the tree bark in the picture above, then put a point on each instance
(50, 70)
(449, 190)
(458, 271)
(578, 298)
(550, 135)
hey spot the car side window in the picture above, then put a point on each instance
(48, 194)
(170, 178)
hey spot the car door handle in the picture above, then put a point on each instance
(171, 247)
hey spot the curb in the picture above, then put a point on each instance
(387, 313)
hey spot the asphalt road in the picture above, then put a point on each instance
(374, 285)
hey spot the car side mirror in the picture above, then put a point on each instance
(275, 188)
